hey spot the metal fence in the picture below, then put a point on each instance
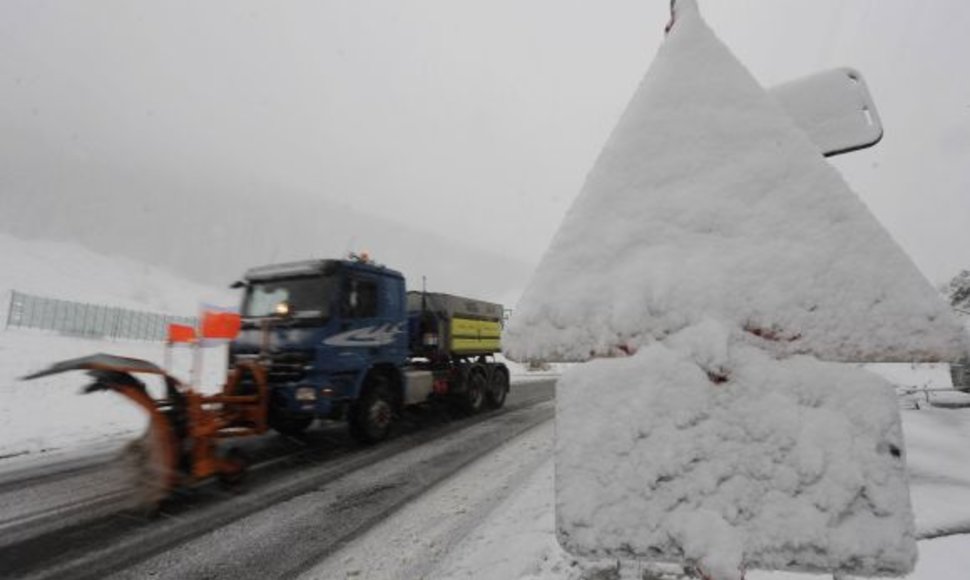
(88, 320)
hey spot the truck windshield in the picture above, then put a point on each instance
(307, 297)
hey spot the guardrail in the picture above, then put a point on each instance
(88, 320)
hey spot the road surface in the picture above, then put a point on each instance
(303, 502)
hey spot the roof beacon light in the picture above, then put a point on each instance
(363, 257)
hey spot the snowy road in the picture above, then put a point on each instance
(307, 506)
(421, 506)
(41, 500)
(431, 536)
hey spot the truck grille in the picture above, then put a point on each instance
(285, 367)
(288, 367)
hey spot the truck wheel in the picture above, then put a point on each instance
(473, 399)
(372, 414)
(498, 389)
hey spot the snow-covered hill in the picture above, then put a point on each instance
(68, 271)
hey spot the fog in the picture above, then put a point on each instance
(447, 138)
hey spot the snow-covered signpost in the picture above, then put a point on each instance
(720, 272)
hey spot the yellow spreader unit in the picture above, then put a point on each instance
(475, 336)
(463, 326)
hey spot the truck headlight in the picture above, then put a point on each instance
(306, 394)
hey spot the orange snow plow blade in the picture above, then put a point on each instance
(181, 445)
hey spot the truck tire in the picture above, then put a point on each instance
(476, 387)
(371, 416)
(498, 388)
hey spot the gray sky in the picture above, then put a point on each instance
(475, 120)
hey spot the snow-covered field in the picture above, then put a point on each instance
(48, 416)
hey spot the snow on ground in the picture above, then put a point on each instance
(48, 416)
(440, 535)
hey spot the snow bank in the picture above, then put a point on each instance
(49, 415)
(782, 464)
(709, 200)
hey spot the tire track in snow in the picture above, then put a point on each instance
(414, 540)
(296, 531)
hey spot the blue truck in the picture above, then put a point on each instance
(344, 339)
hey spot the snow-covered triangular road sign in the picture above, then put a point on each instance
(714, 243)
(709, 201)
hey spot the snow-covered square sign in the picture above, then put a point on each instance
(723, 274)
(794, 464)
(834, 108)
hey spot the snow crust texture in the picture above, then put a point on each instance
(708, 200)
(709, 450)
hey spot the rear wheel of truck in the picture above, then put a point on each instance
(476, 386)
(498, 388)
(371, 416)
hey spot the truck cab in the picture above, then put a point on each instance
(318, 326)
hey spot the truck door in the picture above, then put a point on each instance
(374, 306)
(360, 334)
